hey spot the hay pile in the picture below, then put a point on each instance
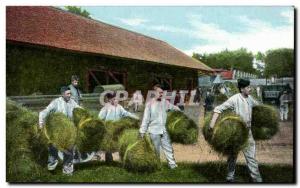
(137, 155)
(26, 145)
(181, 129)
(113, 130)
(61, 131)
(80, 114)
(90, 135)
(265, 122)
(229, 134)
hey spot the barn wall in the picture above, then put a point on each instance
(31, 69)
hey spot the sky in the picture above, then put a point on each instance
(206, 29)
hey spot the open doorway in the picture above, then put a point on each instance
(105, 77)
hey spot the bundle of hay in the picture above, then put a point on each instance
(27, 151)
(90, 135)
(61, 131)
(137, 155)
(80, 114)
(114, 129)
(229, 134)
(181, 129)
(265, 122)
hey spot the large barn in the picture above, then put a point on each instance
(46, 45)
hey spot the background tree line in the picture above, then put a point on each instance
(275, 62)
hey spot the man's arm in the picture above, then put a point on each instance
(125, 113)
(43, 114)
(229, 104)
(170, 106)
(213, 120)
(146, 120)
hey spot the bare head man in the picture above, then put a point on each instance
(244, 87)
(159, 92)
(75, 80)
(66, 93)
(111, 98)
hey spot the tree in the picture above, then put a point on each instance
(239, 59)
(280, 63)
(78, 11)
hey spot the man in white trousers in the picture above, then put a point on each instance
(154, 121)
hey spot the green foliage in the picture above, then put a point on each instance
(80, 114)
(90, 135)
(78, 11)
(181, 129)
(229, 135)
(239, 59)
(207, 172)
(26, 150)
(114, 129)
(138, 155)
(280, 63)
(265, 122)
(61, 131)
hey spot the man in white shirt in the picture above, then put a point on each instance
(113, 111)
(65, 105)
(242, 104)
(154, 121)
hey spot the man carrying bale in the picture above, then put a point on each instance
(113, 111)
(65, 105)
(242, 104)
(154, 120)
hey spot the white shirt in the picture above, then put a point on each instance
(111, 112)
(58, 105)
(155, 116)
(242, 106)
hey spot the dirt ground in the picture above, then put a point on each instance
(278, 150)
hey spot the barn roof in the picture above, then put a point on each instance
(52, 27)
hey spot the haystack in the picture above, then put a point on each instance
(137, 154)
(181, 128)
(265, 122)
(61, 131)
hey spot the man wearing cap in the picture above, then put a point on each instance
(65, 105)
(113, 111)
(154, 121)
(242, 104)
(75, 92)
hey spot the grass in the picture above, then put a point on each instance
(210, 172)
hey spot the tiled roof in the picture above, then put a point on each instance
(49, 26)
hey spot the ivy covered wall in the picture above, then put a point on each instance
(32, 69)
